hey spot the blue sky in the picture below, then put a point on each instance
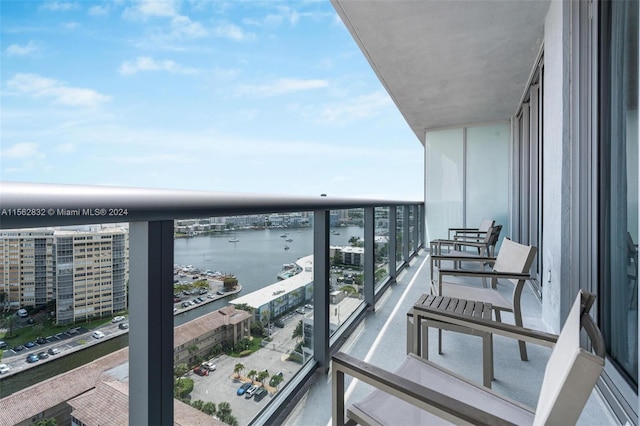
(238, 96)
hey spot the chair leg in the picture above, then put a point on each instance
(487, 359)
(523, 348)
(439, 341)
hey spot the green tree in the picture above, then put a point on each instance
(224, 410)
(276, 380)
(252, 374)
(209, 408)
(180, 370)
(198, 404)
(244, 307)
(262, 376)
(9, 322)
(298, 331)
(237, 369)
(230, 283)
(46, 422)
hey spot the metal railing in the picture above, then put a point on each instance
(151, 214)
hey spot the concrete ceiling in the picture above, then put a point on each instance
(448, 63)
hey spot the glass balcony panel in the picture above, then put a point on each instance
(399, 236)
(381, 245)
(243, 308)
(347, 269)
(65, 291)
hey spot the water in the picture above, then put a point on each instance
(255, 260)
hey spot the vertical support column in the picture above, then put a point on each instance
(405, 233)
(151, 323)
(393, 242)
(422, 221)
(416, 227)
(369, 258)
(321, 288)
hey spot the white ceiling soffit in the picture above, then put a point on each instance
(448, 63)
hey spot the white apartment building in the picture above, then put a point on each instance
(91, 273)
(26, 268)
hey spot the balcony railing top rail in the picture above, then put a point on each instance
(28, 205)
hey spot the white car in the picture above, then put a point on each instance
(117, 319)
(4, 368)
(209, 366)
(97, 335)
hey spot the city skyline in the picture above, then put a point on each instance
(255, 97)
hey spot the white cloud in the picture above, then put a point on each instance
(65, 147)
(358, 108)
(233, 32)
(42, 87)
(152, 9)
(24, 150)
(26, 50)
(282, 86)
(59, 6)
(70, 25)
(97, 10)
(183, 26)
(146, 63)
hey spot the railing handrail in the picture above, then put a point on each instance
(29, 205)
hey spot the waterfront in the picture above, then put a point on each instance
(256, 259)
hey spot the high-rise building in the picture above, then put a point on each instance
(91, 273)
(26, 268)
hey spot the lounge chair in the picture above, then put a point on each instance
(512, 263)
(423, 393)
(469, 234)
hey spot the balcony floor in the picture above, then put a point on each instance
(381, 340)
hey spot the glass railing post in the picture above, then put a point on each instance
(151, 323)
(393, 242)
(416, 227)
(369, 257)
(405, 233)
(321, 288)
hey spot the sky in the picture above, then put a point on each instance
(270, 97)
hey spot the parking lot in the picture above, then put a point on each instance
(221, 385)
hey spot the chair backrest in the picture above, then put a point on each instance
(571, 371)
(492, 239)
(514, 257)
(485, 224)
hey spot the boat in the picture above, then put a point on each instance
(283, 236)
(287, 247)
(288, 240)
(234, 240)
(335, 233)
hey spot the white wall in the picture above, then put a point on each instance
(556, 160)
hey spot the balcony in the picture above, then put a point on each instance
(376, 335)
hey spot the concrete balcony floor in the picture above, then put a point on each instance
(381, 340)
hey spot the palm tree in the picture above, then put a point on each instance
(198, 404)
(209, 408)
(298, 331)
(237, 369)
(180, 370)
(252, 374)
(224, 410)
(9, 322)
(262, 375)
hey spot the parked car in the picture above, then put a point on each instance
(117, 319)
(279, 324)
(308, 306)
(4, 368)
(32, 358)
(43, 355)
(31, 321)
(41, 341)
(53, 351)
(219, 292)
(28, 345)
(300, 310)
(260, 393)
(209, 366)
(201, 371)
(249, 393)
(123, 326)
(97, 335)
(243, 388)
(3, 344)
(22, 313)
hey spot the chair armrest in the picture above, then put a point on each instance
(485, 274)
(463, 258)
(449, 408)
